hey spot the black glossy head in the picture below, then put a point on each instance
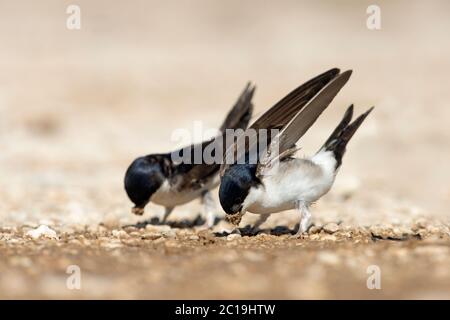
(142, 179)
(235, 186)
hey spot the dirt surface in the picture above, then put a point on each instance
(160, 262)
(78, 106)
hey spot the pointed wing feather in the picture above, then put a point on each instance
(280, 114)
(301, 122)
(239, 116)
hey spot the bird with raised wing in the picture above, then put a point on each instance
(278, 181)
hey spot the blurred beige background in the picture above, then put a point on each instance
(78, 105)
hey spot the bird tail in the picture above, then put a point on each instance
(338, 140)
(241, 113)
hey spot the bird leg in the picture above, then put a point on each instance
(209, 209)
(305, 217)
(167, 212)
(262, 218)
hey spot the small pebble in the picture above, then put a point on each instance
(170, 234)
(42, 231)
(120, 234)
(378, 231)
(233, 236)
(151, 236)
(314, 229)
(331, 228)
(153, 228)
(328, 237)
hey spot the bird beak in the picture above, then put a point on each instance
(137, 210)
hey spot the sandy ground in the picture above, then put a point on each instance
(78, 105)
(159, 262)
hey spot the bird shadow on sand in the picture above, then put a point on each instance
(179, 224)
(249, 231)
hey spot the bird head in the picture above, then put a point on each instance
(235, 186)
(142, 179)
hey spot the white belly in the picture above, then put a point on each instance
(296, 180)
(269, 208)
(167, 197)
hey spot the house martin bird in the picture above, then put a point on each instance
(277, 181)
(159, 179)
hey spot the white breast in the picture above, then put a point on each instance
(297, 179)
(168, 197)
